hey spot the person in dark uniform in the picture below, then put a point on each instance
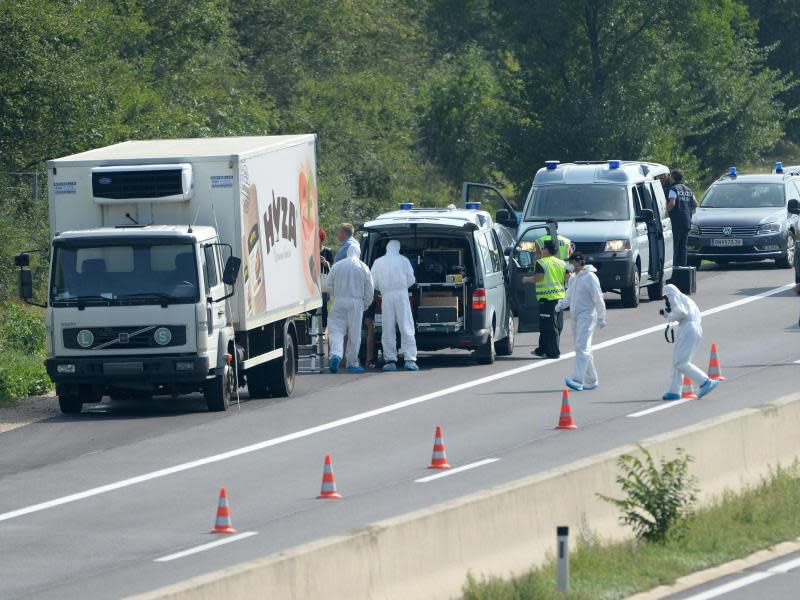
(325, 262)
(681, 205)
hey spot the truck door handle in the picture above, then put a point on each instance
(220, 312)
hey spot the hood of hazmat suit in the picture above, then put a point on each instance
(682, 308)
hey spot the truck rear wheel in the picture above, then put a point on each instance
(70, 404)
(281, 373)
(218, 391)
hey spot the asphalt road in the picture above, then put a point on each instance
(88, 503)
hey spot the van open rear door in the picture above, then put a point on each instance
(520, 271)
(492, 201)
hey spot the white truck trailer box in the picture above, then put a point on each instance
(144, 296)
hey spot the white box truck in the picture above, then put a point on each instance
(144, 295)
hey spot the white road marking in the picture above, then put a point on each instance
(104, 489)
(666, 404)
(736, 584)
(797, 362)
(730, 586)
(447, 473)
(202, 548)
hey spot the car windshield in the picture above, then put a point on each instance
(579, 203)
(134, 272)
(744, 195)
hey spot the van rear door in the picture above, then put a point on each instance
(520, 270)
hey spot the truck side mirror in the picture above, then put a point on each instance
(22, 259)
(231, 272)
(794, 207)
(645, 215)
(25, 285)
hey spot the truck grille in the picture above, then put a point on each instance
(122, 338)
(723, 230)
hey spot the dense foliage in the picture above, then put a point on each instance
(408, 98)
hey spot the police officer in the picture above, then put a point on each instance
(565, 246)
(681, 205)
(550, 277)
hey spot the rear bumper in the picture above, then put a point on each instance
(119, 370)
(465, 340)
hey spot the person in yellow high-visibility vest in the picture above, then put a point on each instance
(565, 246)
(550, 276)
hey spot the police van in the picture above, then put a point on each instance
(614, 212)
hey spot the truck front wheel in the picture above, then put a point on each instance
(70, 404)
(218, 391)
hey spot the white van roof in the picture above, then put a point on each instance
(605, 172)
(445, 217)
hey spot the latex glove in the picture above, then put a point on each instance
(560, 305)
(601, 324)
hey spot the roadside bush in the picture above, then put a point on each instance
(658, 496)
(22, 330)
(22, 352)
(22, 375)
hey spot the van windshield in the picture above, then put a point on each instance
(579, 203)
(744, 195)
(143, 273)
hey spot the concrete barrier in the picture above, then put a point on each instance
(503, 530)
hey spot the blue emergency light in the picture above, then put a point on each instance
(552, 165)
(779, 167)
(473, 205)
(732, 171)
(407, 206)
(613, 164)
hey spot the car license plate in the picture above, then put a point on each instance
(727, 242)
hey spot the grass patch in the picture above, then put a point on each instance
(735, 526)
(22, 352)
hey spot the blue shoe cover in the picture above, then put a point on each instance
(410, 365)
(671, 396)
(709, 386)
(574, 385)
(355, 369)
(591, 386)
(390, 367)
(335, 360)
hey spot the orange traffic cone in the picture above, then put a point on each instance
(565, 421)
(439, 459)
(328, 481)
(688, 389)
(714, 369)
(223, 522)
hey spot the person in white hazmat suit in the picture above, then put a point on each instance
(393, 275)
(682, 310)
(585, 302)
(350, 281)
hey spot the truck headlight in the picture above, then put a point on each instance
(769, 228)
(66, 368)
(617, 245)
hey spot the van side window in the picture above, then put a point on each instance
(210, 274)
(490, 255)
(637, 201)
(648, 201)
(793, 193)
(661, 201)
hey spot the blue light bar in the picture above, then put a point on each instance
(732, 171)
(407, 206)
(552, 165)
(473, 205)
(613, 164)
(779, 167)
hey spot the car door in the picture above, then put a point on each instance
(522, 291)
(494, 202)
(493, 279)
(216, 316)
(641, 241)
(666, 226)
(793, 193)
(655, 235)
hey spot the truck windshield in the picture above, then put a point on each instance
(143, 273)
(744, 195)
(579, 203)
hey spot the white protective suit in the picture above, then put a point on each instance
(585, 302)
(684, 311)
(393, 275)
(350, 282)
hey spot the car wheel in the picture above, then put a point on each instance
(787, 260)
(656, 290)
(630, 294)
(485, 354)
(505, 347)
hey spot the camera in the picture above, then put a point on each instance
(662, 312)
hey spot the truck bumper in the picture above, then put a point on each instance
(152, 370)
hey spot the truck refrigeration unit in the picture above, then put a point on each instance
(145, 296)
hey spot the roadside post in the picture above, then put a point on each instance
(562, 536)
